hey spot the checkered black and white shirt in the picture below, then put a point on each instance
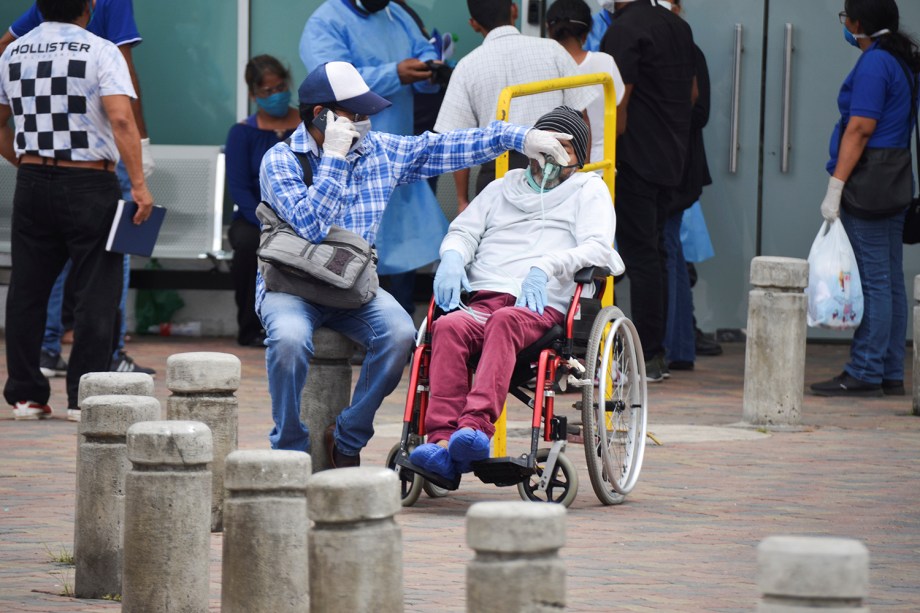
(53, 79)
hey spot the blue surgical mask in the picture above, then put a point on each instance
(275, 105)
(850, 37)
(853, 39)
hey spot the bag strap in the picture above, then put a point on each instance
(912, 113)
(304, 163)
(307, 179)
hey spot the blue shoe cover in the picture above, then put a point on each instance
(435, 459)
(467, 446)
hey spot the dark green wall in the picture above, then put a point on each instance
(10, 10)
(187, 68)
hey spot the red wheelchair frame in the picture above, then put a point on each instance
(547, 475)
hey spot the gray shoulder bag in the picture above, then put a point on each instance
(340, 271)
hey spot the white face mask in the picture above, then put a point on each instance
(363, 127)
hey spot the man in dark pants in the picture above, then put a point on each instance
(69, 93)
(653, 49)
(112, 20)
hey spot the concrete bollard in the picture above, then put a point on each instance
(355, 545)
(100, 505)
(265, 532)
(517, 566)
(113, 383)
(916, 345)
(202, 386)
(328, 389)
(806, 573)
(167, 518)
(774, 364)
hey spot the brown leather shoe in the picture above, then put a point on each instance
(336, 458)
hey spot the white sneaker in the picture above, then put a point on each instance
(73, 414)
(52, 364)
(27, 409)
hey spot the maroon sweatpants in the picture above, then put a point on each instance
(458, 335)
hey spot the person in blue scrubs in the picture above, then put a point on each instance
(878, 109)
(599, 24)
(353, 31)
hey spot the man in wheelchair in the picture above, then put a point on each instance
(517, 248)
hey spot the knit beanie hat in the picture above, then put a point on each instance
(568, 121)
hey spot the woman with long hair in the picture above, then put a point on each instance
(870, 167)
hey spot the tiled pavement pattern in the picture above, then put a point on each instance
(684, 540)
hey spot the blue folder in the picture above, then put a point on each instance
(126, 237)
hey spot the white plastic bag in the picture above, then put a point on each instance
(835, 297)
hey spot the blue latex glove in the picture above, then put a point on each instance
(451, 276)
(533, 291)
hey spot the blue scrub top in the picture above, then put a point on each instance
(877, 88)
(599, 24)
(413, 224)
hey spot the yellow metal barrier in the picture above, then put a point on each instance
(608, 164)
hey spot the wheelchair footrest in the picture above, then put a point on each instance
(504, 471)
(402, 459)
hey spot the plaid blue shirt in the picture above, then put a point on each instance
(352, 193)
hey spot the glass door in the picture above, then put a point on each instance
(730, 33)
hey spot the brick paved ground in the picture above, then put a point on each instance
(684, 541)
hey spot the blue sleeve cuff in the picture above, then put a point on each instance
(512, 136)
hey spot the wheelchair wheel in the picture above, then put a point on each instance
(433, 490)
(615, 407)
(410, 484)
(563, 483)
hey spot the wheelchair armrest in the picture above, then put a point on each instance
(591, 273)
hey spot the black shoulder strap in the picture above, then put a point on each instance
(304, 163)
(912, 114)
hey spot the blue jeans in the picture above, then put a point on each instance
(381, 326)
(679, 335)
(878, 345)
(124, 182)
(54, 329)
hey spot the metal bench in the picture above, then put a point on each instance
(188, 181)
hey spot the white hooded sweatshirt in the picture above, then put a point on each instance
(505, 231)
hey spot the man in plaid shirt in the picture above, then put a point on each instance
(354, 172)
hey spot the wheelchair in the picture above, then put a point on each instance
(596, 351)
